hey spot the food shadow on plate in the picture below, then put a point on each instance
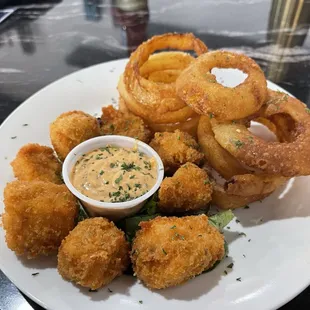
(120, 286)
(39, 263)
(204, 283)
(289, 201)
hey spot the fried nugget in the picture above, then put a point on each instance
(36, 162)
(115, 122)
(70, 129)
(176, 148)
(188, 189)
(168, 251)
(38, 216)
(93, 254)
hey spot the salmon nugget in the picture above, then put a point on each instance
(37, 162)
(176, 148)
(188, 189)
(70, 129)
(37, 216)
(168, 251)
(93, 254)
(115, 122)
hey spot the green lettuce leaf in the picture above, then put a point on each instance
(220, 220)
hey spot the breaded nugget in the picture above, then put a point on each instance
(70, 129)
(94, 253)
(188, 189)
(38, 216)
(168, 251)
(36, 162)
(115, 122)
(176, 148)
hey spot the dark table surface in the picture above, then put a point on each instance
(43, 41)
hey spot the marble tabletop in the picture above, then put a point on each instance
(43, 41)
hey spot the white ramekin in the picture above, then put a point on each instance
(112, 210)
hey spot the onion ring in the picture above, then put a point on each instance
(200, 90)
(166, 61)
(160, 115)
(226, 201)
(189, 126)
(164, 76)
(290, 158)
(220, 159)
(156, 102)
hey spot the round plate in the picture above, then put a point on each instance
(268, 247)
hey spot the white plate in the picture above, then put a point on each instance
(276, 266)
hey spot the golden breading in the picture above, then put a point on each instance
(38, 216)
(70, 129)
(36, 162)
(176, 148)
(168, 251)
(93, 254)
(188, 189)
(115, 122)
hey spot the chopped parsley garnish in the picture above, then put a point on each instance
(237, 221)
(35, 274)
(138, 185)
(140, 301)
(199, 235)
(112, 128)
(25, 125)
(206, 182)
(132, 176)
(106, 182)
(238, 279)
(107, 149)
(112, 165)
(173, 227)
(225, 272)
(98, 156)
(14, 137)
(242, 234)
(92, 291)
(129, 167)
(147, 164)
(179, 137)
(116, 194)
(249, 240)
(238, 144)
(307, 110)
(246, 207)
(109, 290)
(129, 187)
(211, 115)
(164, 251)
(101, 172)
(244, 255)
(230, 265)
(120, 178)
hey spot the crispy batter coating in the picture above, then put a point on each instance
(168, 251)
(36, 162)
(93, 254)
(115, 122)
(70, 129)
(38, 216)
(188, 189)
(176, 148)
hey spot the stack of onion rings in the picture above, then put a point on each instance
(173, 90)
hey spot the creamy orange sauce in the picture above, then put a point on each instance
(114, 174)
